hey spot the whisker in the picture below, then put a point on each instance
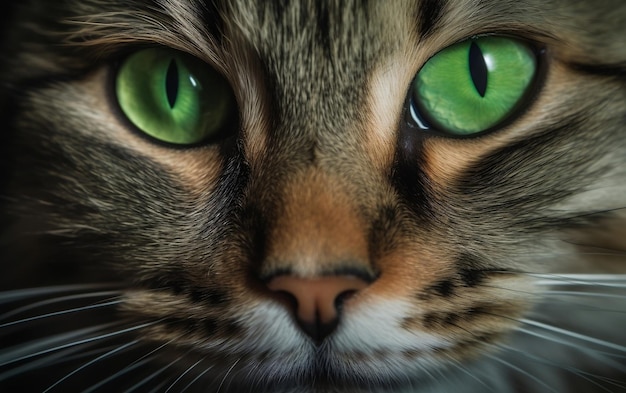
(158, 388)
(555, 294)
(576, 371)
(219, 388)
(564, 332)
(587, 301)
(584, 278)
(571, 279)
(11, 358)
(193, 381)
(23, 351)
(475, 377)
(618, 251)
(183, 374)
(607, 253)
(103, 356)
(63, 312)
(49, 360)
(125, 370)
(599, 280)
(597, 212)
(135, 364)
(21, 294)
(57, 300)
(547, 297)
(408, 381)
(522, 371)
(434, 378)
(153, 375)
(585, 294)
(569, 333)
(605, 357)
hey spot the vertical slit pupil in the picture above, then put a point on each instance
(171, 83)
(478, 68)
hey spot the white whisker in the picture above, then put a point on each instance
(107, 354)
(46, 361)
(605, 357)
(552, 296)
(219, 388)
(135, 364)
(20, 294)
(475, 377)
(585, 294)
(11, 358)
(24, 351)
(58, 313)
(591, 378)
(57, 300)
(183, 374)
(579, 336)
(257, 377)
(523, 372)
(599, 280)
(125, 370)
(158, 388)
(190, 384)
(153, 375)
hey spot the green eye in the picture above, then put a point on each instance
(173, 97)
(474, 85)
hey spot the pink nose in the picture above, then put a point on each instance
(318, 299)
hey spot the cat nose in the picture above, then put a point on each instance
(318, 300)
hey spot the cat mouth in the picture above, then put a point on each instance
(329, 364)
(322, 369)
(262, 343)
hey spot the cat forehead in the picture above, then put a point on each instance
(320, 56)
(335, 36)
(328, 36)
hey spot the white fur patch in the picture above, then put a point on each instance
(376, 326)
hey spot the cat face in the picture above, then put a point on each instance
(349, 217)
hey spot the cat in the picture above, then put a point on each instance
(313, 196)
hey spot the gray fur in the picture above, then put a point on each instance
(186, 236)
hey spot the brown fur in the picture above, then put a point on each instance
(321, 175)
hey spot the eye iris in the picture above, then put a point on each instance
(478, 68)
(173, 97)
(473, 86)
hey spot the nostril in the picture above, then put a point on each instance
(313, 328)
(318, 301)
(342, 298)
(288, 298)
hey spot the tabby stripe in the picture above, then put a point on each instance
(429, 16)
(408, 175)
(213, 20)
(608, 70)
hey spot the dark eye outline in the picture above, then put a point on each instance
(415, 120)
(226, 135)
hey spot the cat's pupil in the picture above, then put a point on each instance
(171, 83)
(478, 69)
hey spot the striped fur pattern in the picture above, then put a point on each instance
(126, 265)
